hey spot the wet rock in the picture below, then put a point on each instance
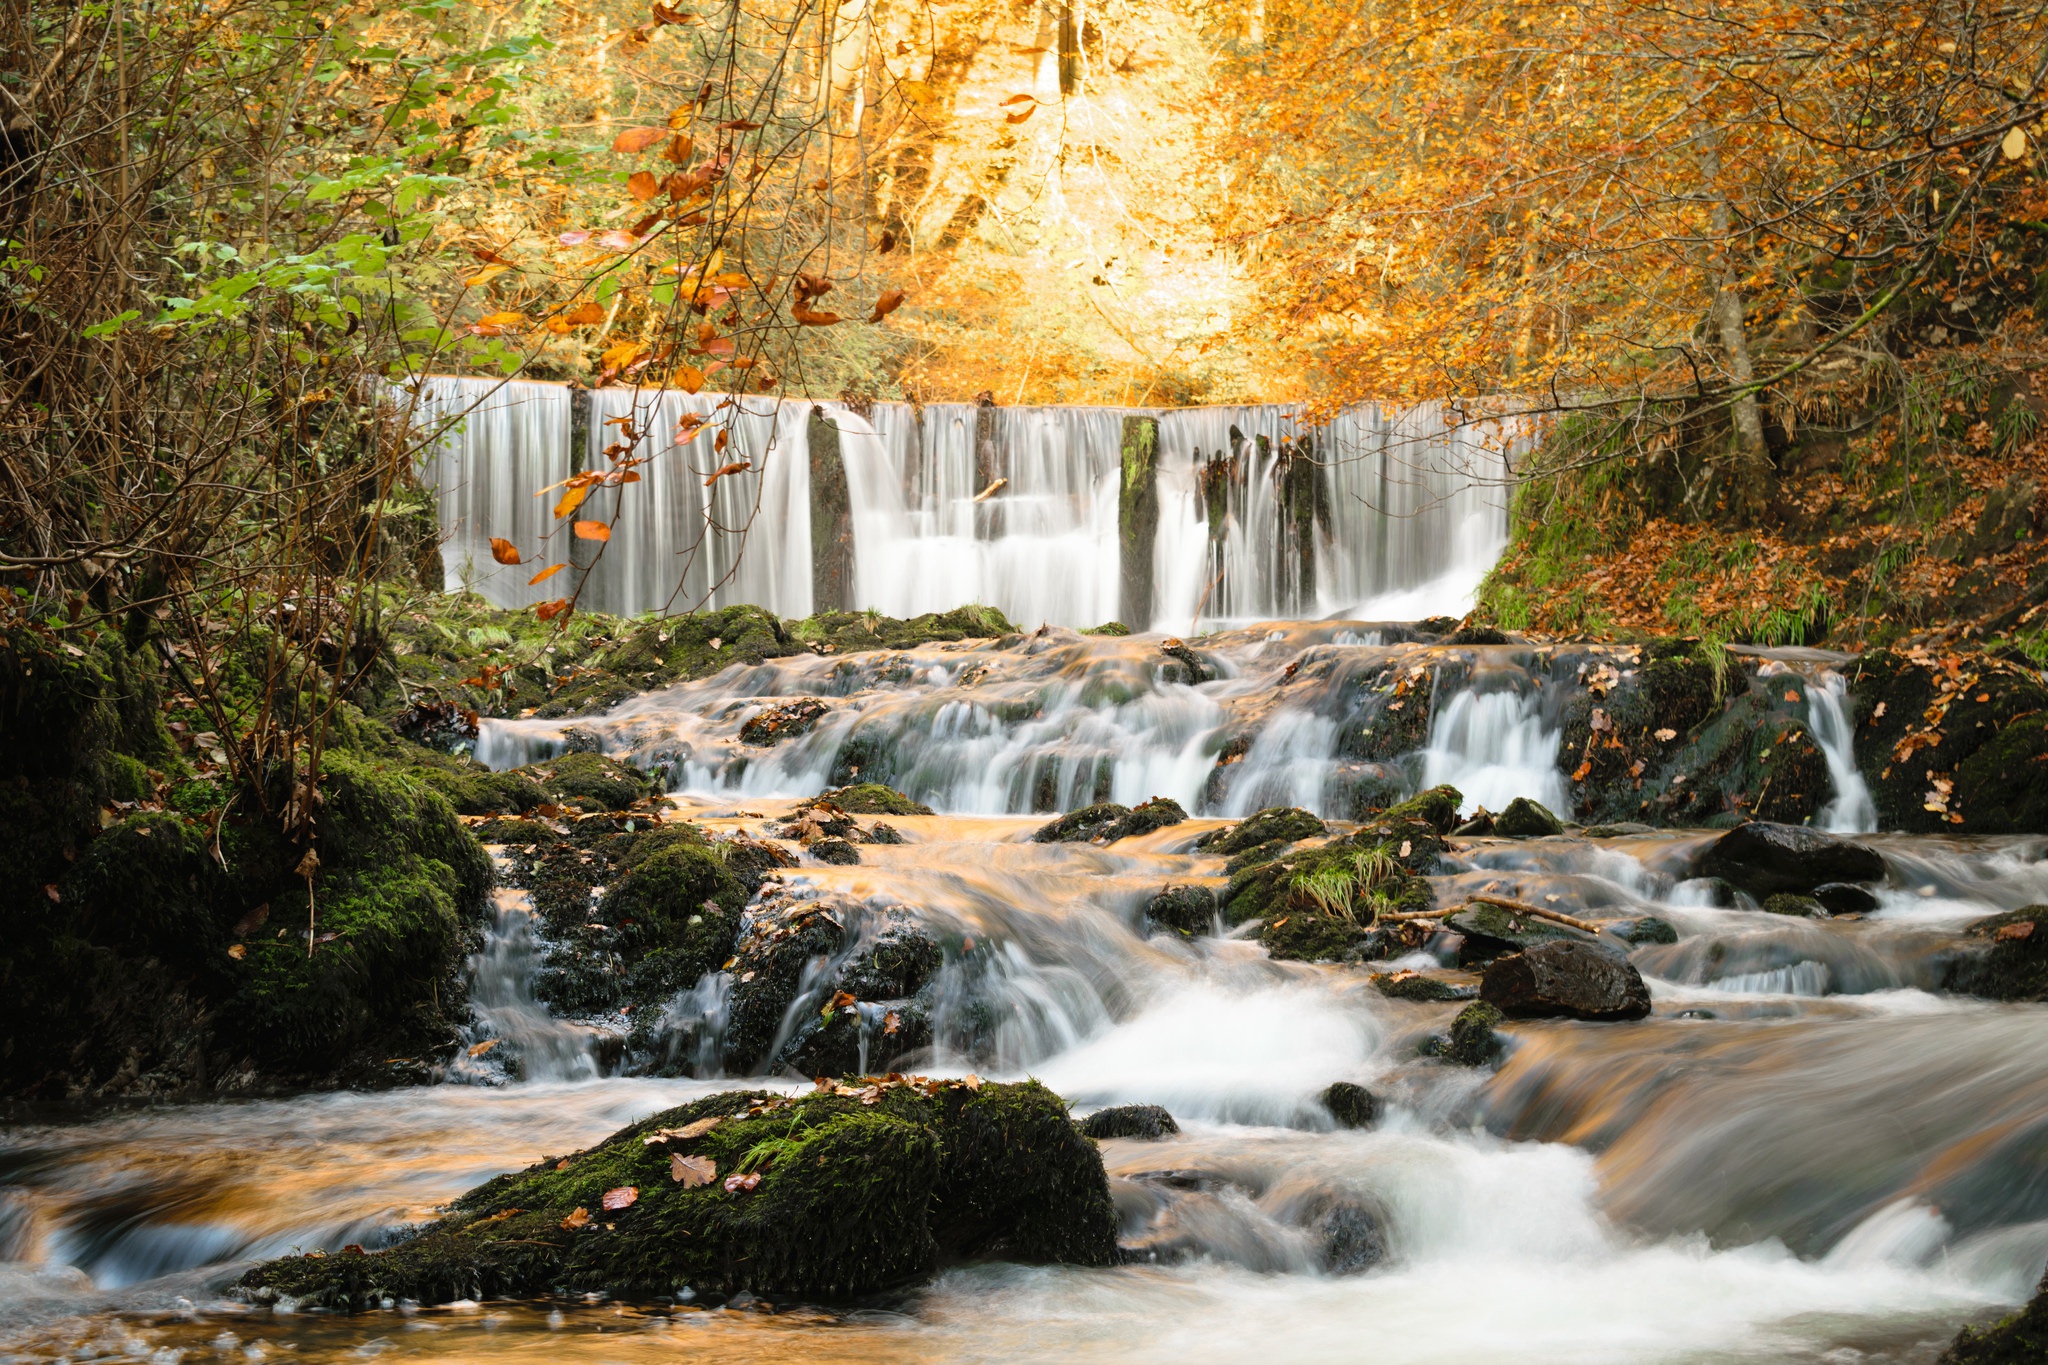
(897, 962)
(781, 943)
(1568, 981)
(1641, 930)
(1472, 1040)
(1189, 911)
(1353, 1106)
(860, 1039)
(1193, 667)
(842, 1194)
(1349, 1238)
(2021, 1339)
(671, 918)
(1490, 932)
(1274, 826)
(1145, 1122)
(1437, 808)
(867, 798)
(1764, 859)
(1420, 986)
(590, 781)
(437, 725)
(2005, 957)
(879, 833)
(1798, 907)
(836, 852)
(1477, 635)
(1619, 830)
(1718, 893)
(1478, 827)
(1846, 898)
(1106, 822)
(787, 721)
(1526, 819)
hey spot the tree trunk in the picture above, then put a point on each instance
(1751, 463)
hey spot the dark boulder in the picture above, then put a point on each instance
(1189, 911)
(2005, 957)
(879, 833)
(1353, 1106)
(1349, 1237)
(1765, 859)
(895, 963)
(787, 721)
(843, 1191)
(1845, 898)
(1145, 1122)
(1526, 819)
(1490, 931)
(859, 1039)
(1566, 980)
(782, 940)
(1641, 930)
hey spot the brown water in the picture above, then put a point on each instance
(1804, 1154)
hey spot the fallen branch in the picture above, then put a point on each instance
(1404, 917)
(1584, 926)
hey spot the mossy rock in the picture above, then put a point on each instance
(1134, 1122)
(509, 829)
(1798, 907)
(1526, 819)
(1437, 808)
(1106, 822)
(590, 781)
(1108, 628)
(1491, 931)
(1265, 890)
(673, 917)
(865, 1038)
(778, 947)
(868, 798)
(1420, 986)
(2021, 1339)
(1992, 749)
(852, 1197)
(1352, 1106)
(1273, 827)
(1189, 911)
(1473, 1040)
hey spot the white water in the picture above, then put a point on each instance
(1493, 747)
(512, 1028)
(1415, 505)
(1851, 811)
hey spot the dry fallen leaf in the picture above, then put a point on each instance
(638, 139)
(692, 1171)
(238, 951)
(1665, 736)
(736, 1183)
(624, 1197)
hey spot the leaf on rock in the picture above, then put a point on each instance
(692, 1172)
(624, 1197)
(578, 1218)
(479, 1049)
(734, 1184)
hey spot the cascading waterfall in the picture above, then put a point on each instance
(1493, 747)
(1852, 811)
(1374, 513)
(539, 1046)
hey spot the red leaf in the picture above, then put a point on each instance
(888, 303)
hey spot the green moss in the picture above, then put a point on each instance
(1108, 628)
(1437, 808)
(1473, 1041)
(590, 781)
(2021, 1339)
(870, 798)
(1106, 822)
(1272, 828)
(852, 1197)
(674, 915)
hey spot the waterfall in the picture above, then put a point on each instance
(508, 1017)
(1374, 514)
(1852, 811)
(1493, 747)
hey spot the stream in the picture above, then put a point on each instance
(1805, 1153)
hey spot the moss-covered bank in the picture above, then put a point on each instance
(851, 1188)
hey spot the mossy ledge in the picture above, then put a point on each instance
(856, 1186)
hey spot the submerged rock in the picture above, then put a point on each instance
(1798, 907)
(2005, 957)
(1567, 981)
(1765, 859)
(1419, 986)
(837, 852)
(1526, 819)
(843, 1191)
(1353, 1106)
(1145, 1122)
(1106, 822)
(1349, 1238)
(1846, 898)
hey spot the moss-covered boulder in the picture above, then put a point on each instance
(867, 798)
(1526, 819)
(1134, 1122)
(1351, 1105)
(1106, 822)
(787, 721)
(1491, 931)
(2005, 957)
(846, 1190)
(783, 939)
(1272, 828)
(1473, 1040)
(1188, 911)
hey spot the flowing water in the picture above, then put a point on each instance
(1412, 511)
(1806, 1153)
